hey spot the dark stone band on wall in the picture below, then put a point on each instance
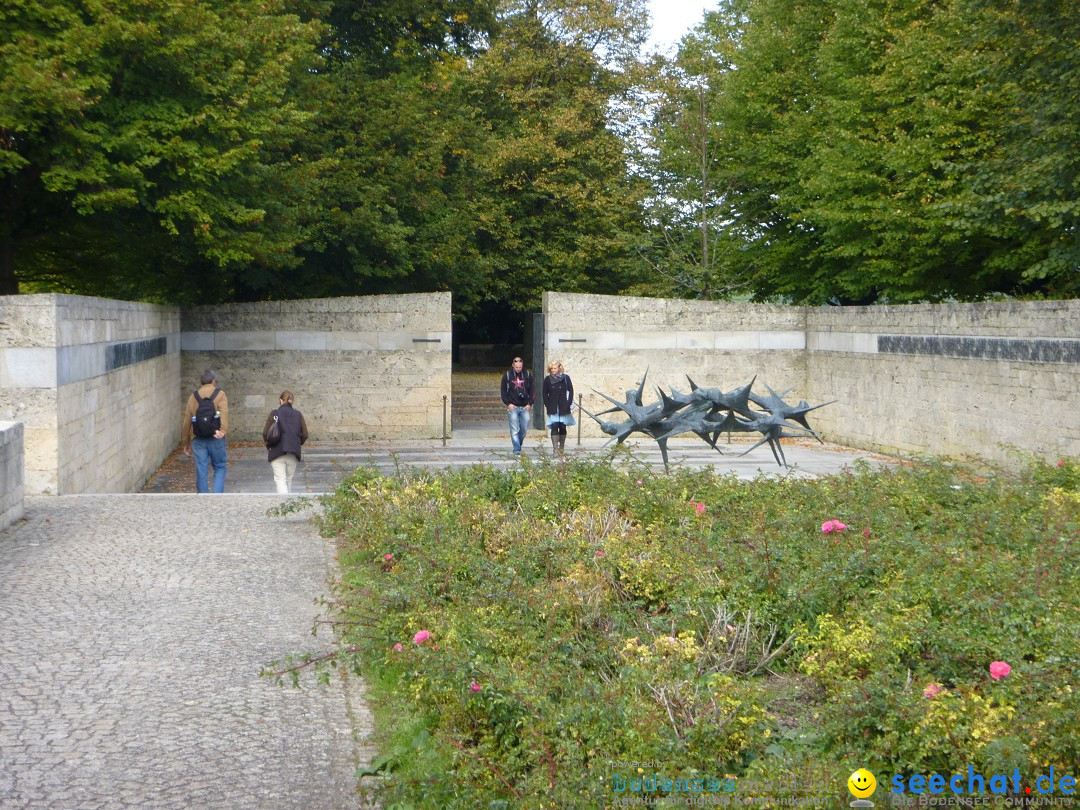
(136, 351)
(1021, 350)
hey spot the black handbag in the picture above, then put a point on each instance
(273, 433)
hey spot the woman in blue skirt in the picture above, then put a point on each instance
(558, 398)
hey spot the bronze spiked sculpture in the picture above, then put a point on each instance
(709, 412)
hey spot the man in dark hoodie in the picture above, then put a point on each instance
(518, 395)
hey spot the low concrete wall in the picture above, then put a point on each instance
(11, 473)
(100, 386)
(360, 368)
(949, 379)
(944, 379)
(94, 381)
(606, 343)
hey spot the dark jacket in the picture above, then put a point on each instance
(519, 395)
(293, 432)
(558, 394)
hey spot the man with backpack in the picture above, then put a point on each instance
(206, 421)
(518, 396)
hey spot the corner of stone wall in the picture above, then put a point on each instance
(11, 473)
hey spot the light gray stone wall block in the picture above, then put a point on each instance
(360, 368)
(717, 344)
(197, 341)
(12, 486)
(934, 404)
(893, 399)
(94, 383)
(28, 367)
(27, 321)
(115, 429)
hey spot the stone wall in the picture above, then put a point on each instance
(947, 379)
(360, 368)
(94, 382)
(99, 385)
(606, 342)
(11, 473)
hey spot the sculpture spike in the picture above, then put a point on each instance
(708, 413)
(641, 388)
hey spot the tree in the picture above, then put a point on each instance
(561, 210)
(487, 168)
(681, 154)
(133, 142)
(876, 150)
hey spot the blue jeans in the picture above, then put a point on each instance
(212, 451)
(519, 424)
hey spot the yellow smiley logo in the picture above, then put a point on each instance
(862, 784)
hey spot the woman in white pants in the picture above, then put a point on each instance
(284, 452)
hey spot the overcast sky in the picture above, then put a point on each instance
(671, 19)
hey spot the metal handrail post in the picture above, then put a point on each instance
(579, 412)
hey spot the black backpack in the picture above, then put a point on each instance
(205, 423)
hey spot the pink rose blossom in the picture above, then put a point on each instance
(931, 690)
(599, 553)
(832, 526)
(398, 647)
(388, 556)
(699, 508)
(866, 532)
(1061, 463)
(999, 670)
(731, 628)
(639, 480)
(474, 686)
(421, 636)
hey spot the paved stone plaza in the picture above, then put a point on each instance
(132, 632)
(325, 464)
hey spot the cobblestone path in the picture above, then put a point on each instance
(132, 632)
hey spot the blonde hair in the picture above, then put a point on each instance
(286, 396)
(555, 363)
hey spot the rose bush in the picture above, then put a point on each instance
(566, 618)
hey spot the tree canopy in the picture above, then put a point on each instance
(136, 141)
(800, 150)
(878, 150)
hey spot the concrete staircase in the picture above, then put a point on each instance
(476, 399)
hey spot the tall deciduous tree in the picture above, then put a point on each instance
(682, 155)
(487, 168)
(133, 139)
(561, 209)
(898, 150)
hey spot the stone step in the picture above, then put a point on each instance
(477, 398)
(479, 419)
